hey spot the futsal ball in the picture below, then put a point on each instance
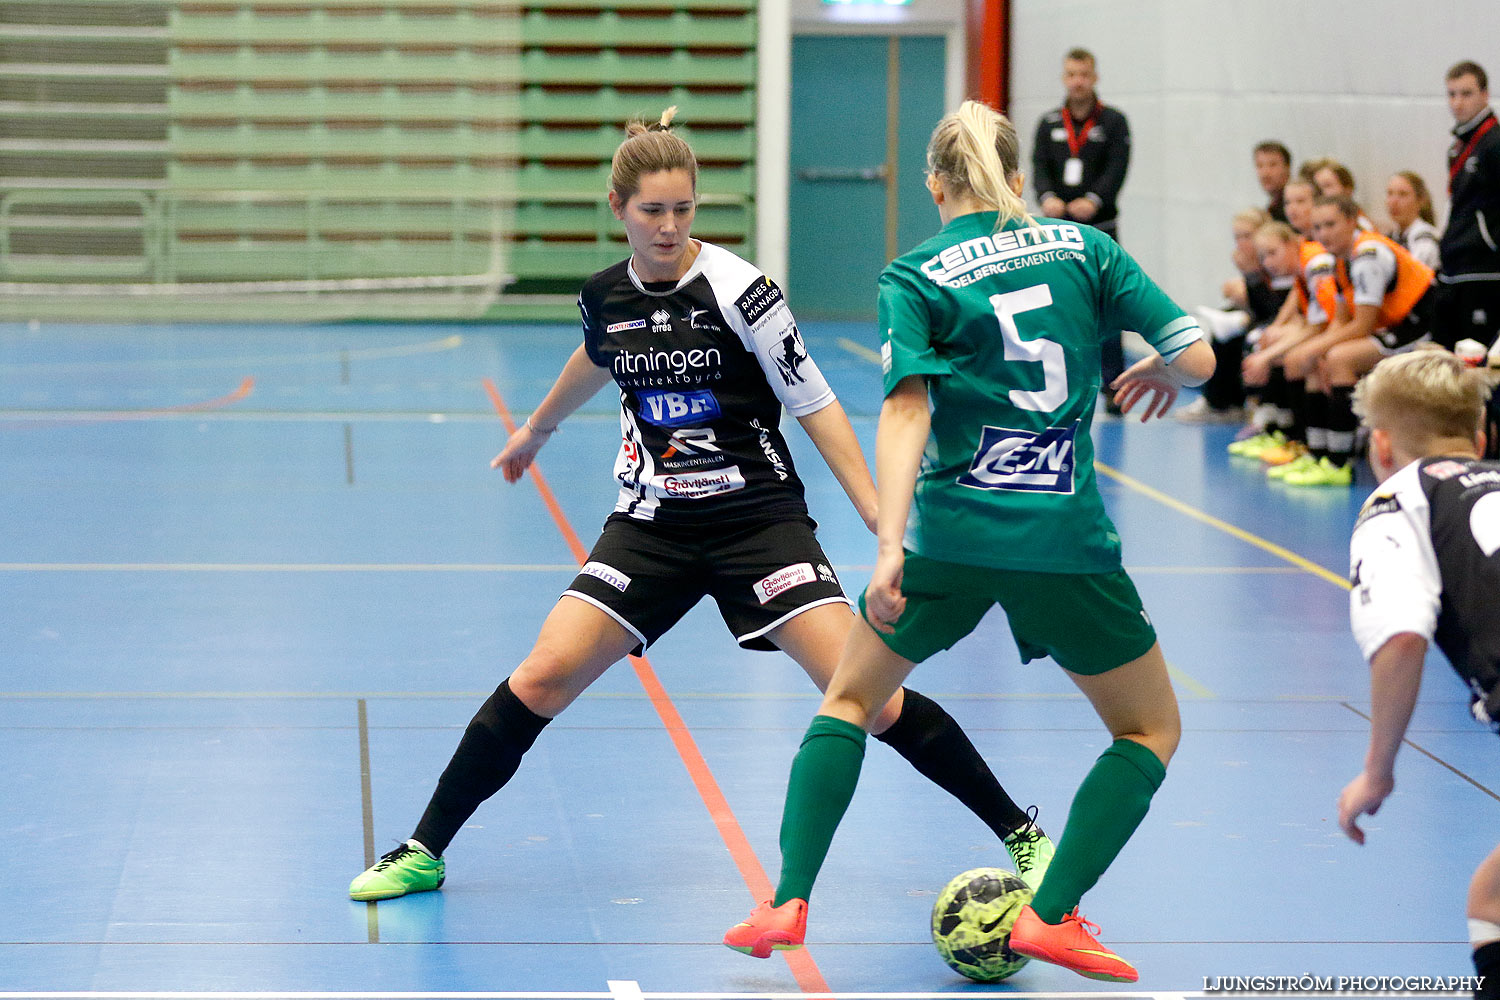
(971, 923)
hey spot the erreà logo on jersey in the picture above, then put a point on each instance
(674, 409)
(1028, 461)
(661, 321)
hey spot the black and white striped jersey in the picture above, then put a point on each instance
(1425, 558)
(704, 366)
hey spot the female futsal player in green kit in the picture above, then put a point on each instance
(990, 339)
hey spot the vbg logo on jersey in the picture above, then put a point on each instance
(674, 409)
(1028, 461)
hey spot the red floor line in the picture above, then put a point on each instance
(112, 416)
(803, 968)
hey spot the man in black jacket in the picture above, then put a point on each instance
(1078, 163)
(1470, 277)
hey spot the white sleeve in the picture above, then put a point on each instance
(1424, 247)
(1395, 583)
(1317, 271)
(1371, 271)
(764, 323)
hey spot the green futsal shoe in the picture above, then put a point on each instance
(1032, 852)
(1254, 447)
(403, 870)
(1323, 472)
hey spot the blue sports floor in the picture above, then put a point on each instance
(255, 580)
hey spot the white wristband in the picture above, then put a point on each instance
(533, 428)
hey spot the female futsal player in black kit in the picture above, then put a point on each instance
(705, 354)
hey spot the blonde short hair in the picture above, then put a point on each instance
(1252, 217)
(1421, 397)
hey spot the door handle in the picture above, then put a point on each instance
(843, 173)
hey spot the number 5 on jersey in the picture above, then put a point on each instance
(1047, 353)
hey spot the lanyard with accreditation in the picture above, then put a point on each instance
(1458, 164)
(1073, 168)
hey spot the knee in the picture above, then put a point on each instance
(541, 681)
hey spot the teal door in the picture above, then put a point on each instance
(856, 196)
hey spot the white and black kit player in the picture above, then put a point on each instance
(1425, 559)
(710, 501)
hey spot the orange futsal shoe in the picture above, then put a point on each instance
(781, 928)
(1070, 944)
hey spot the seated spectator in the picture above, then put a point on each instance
(1273, 168)
(1391, 300)
(1334, 180)
(1413, 224)
(1250, 302)
(1277, 431)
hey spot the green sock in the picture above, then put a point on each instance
(1110, 804)
(824, 774)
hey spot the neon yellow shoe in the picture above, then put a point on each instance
(1031, 850)
(403, 870)
(1323, 472)
(1252, 447)
(1302, 461)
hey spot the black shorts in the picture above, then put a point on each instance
(646, 576)
(1470, 310)
(1416, 326)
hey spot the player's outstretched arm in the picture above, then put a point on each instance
(1154, 376)
(905, 422)
(829, 429)
(1395, 677)
(579, 381)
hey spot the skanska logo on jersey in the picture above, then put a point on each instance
(967, 262)
(675, 409)
(1026, 461)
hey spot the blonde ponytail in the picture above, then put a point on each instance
(975, 150)
(648, 149)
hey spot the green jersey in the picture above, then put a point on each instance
(1006, 326)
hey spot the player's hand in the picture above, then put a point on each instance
(518, 452)
(1255, 370)
(1362, 796)
(1299, 362)
(1082, 209)
(884, 601)
(1054, 207)
(1148, 375)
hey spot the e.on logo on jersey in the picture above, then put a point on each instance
(1028, 461)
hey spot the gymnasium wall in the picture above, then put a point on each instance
(1203, 80)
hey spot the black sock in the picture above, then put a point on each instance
(1342, 424)
(1296, 401)
(934, 744)
(1487, 964)
(501, 732)
(1316, 413)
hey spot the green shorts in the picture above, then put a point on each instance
(1088, 622)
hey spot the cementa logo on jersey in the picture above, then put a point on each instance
(676, 409)
(972, 260)
(1026, 461)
